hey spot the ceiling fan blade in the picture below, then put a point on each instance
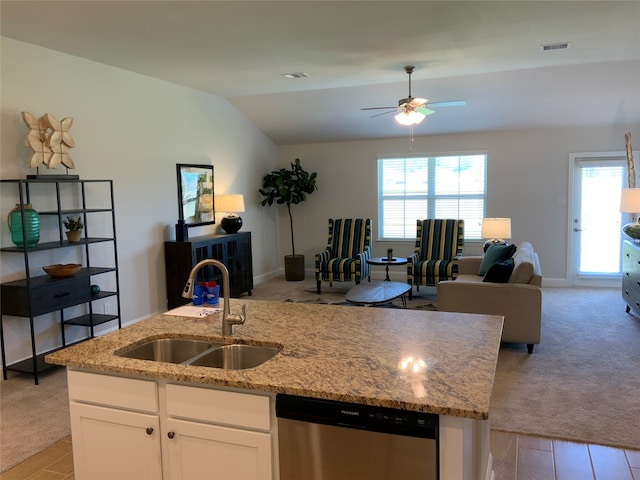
(377, 108)
(453, 103)
(424, 110)
(384, 113)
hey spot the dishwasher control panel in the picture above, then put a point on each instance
(353, 415)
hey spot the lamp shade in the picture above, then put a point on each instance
(496, 228)
(630, 203)
(230, 203)
(630, 200)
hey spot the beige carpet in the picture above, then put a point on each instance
(32, 417)
(582, 383)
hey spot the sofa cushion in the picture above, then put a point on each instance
(523, 270)
(495, 253)
(500, 272)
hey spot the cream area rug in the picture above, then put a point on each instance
(32, 417)
(582, 382)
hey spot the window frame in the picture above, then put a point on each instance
(429, 197)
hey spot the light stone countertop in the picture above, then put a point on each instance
(345, 353)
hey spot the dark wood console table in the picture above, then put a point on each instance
(233, 249)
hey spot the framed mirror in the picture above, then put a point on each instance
(195, 194)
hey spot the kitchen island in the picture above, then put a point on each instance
(435, 362)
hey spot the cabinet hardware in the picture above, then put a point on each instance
(171, 434)
(149, 430)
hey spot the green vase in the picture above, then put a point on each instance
(31, 222)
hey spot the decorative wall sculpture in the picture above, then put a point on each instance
(50, 140)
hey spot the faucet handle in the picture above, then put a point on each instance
(235, 319)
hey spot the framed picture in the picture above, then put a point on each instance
(195, 194)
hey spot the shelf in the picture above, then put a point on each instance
(50, 180)
(41, 280)
(74, 211)
(26, 366)
(53, 245)
(102, 295)
(91, 320)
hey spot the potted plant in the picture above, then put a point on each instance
(74, 228)
(289, 187)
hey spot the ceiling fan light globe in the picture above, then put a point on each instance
(409, 118)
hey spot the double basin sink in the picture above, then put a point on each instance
(228, 356)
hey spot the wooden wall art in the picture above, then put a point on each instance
(50, 140)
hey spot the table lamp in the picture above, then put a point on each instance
(495, 230)
(230, 204)
(630, 203)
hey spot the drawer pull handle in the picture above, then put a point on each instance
(149, 430)
(60, 295)
(171, 434)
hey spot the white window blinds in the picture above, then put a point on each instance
(419, 187)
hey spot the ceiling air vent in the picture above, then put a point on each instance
(296, 75)
(555, 46)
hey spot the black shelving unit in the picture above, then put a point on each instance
(37, 295)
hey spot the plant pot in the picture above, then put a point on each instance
(294, 268)
(74, 237)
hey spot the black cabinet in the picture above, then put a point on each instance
(234, 250)
(40, 294)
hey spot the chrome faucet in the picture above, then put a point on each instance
(228, 320)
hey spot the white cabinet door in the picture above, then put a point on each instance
(110, 444)
(200, 451)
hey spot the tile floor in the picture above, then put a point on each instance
(516, 457)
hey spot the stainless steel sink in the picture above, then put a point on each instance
(230, 356)
(172, 350)
(236, 356)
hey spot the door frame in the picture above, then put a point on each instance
(611, 281)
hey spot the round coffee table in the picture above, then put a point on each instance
(372, 293)
(386, 262)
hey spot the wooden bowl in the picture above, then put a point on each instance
(60, 271)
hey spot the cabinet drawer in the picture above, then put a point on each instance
(47, 295)
(129, 393)
(227, 408)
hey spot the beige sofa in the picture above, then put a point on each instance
(519, 300)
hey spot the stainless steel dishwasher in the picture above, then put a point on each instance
(328, 440)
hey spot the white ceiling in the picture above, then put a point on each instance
(484, 52)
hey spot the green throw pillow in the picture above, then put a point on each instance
(495, 253)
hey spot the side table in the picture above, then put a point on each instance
(386, 262)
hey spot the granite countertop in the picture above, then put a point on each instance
(353, 354)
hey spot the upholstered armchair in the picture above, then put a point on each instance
(348, 248)
(439, 243)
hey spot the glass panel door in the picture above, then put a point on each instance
(597, 220)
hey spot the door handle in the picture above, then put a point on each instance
(576, 229)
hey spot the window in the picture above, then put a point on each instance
(419, 187)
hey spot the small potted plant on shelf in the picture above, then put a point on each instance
(74, 228)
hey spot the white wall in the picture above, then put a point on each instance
(132, 129)
(527, 180)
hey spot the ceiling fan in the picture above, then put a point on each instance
(412, 110)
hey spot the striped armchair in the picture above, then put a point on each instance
(348, 248)
(439, 243)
